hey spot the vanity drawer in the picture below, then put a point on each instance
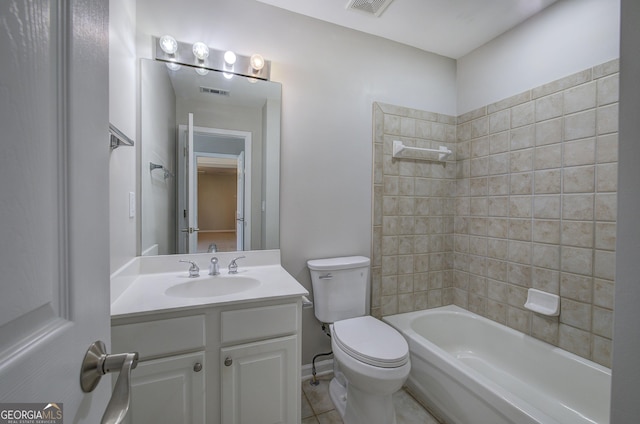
(258, 323)
(159, 338)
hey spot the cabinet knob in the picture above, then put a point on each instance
(228, 361)
(197, 367)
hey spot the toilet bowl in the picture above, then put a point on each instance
(371, 359)
(374, 359)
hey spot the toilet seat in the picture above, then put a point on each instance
(371, 341)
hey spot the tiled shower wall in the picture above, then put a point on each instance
(413, 213)
(534, 206)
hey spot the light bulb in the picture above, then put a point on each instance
(202, 71)
(168, 44)
(200, 50)
(257, 62)
(227, 75)
(173, 66)
(229, 58)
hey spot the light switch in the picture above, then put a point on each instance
(132, 204)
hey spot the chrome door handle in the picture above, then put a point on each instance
(97, 363)
(189, 230)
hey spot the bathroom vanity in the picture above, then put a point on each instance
(208, 352)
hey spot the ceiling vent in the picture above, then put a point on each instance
(217, 91)
(373, 7)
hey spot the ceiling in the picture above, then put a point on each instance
(450, 28)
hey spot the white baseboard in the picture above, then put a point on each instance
(322, 368)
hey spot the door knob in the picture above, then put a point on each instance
(228, 361)
(97, 363)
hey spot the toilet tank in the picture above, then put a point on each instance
(339, 287)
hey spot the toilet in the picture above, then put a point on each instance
(371, 359)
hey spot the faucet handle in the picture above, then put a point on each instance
(214, 267)
(194, 271)
(233, 266)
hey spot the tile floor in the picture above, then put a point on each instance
(317, 407)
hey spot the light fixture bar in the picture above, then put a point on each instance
(215, 61)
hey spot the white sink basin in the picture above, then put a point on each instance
(213, 286)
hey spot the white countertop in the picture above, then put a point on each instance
(140, 287)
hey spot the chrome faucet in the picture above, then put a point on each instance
(214, 267)
(194, 271)
(233, 266)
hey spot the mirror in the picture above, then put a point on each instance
(210, 161)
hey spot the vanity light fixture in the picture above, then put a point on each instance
(200, 51)
(173, 66)
(168, 44)
(257, 62)
(199, 55)
(229, 58)
(202, 71)
(227, 75)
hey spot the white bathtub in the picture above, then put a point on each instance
(470, 370)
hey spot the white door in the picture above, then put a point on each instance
(54, 254)
(240, 204)
(192, 192)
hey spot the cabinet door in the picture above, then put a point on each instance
(169, 390)
(259, 382)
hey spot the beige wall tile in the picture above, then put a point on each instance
(499, 143)
(605, 238)
(580, 98)
(607, 119)
(576, 287)
(579, 152)
(580, 125)
(603, 322)
(546, 256)
(607, 148)
(546, 207)
(549, 107)
(577, 233)
(523, 137)
(547, 157)
(576, 314)
(574, 340)
(523, 114)
(602, 351)
(578, 207)
(499, 121)
(546, 280)
(580, 179)
(549, 132)
(607, 177)
(577, 260)
(604, 265)
(545, 328)
(521, 183)
(546, 231)
(548, 181)
(499, 164)
(608, 89)
(606, 207)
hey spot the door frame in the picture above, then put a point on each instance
(245, 137)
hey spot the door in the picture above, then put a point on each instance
(245, 370)
(54, 255)
(192, 192)
(169, 390)
(240, 204)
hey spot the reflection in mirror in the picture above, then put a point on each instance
(219, 140)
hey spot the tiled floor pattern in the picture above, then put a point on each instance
(317, 407)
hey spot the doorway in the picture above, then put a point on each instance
(221, 199)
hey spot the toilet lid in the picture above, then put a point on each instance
(371, 341)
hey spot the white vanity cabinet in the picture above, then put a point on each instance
(226, 364)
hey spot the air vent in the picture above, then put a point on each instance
(217, 91)
(373, 7)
